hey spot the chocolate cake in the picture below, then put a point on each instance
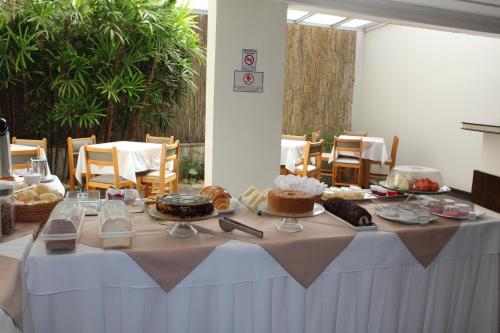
(290, 202)
(346, 210)
(185, 205)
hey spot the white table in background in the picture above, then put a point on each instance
(16, 248)
(291, 152)
(133, 157)
(374, 286)
(16, 147)
(373, 148)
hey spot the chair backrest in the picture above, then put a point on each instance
(102, 157)
(355, 133)
(42, 143)
(74, 145)
(294, 137)
(347, 145)
(21, 159)
(394, 151)
(160, 139)
(315, 136)
(313, 150)
(169, 153)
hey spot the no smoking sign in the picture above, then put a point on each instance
(249, 60)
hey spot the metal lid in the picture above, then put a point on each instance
(4, 127)
(6, 190)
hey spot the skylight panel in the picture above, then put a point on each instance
(355, 23)
(323, 19)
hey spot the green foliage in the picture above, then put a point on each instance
(191, 169)
(74, 63)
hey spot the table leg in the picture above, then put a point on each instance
(365, 173)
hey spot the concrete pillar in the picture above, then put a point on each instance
(243, 129)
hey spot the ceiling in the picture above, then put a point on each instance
(307, 16)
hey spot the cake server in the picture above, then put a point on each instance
(228, 225)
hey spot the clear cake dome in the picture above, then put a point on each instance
(414, 178)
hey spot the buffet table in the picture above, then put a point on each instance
(16, 247)
(374, 285)
(133, 157)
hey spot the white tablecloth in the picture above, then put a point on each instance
(132, 157)
(373, 148)
(16, 147)
(375, 285)
(17, 248)
(291, 152)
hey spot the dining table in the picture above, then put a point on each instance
(291, 152)
(133, 157)
(373, 149)
(375, 282)
(13, 251)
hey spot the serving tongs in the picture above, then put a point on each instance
(227, 224)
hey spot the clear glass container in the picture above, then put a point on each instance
(116, 227)
(435, 207)
(62, 230)
(130, 197)
(451, 210)
(90, 200)
(7, 209)
(463, 209)
(414, 178)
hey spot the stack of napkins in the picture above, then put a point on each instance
(299, 183)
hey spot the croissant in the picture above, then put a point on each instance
(220, 197)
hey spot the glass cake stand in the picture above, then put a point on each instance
(182, 227)
(416, 194)
(289, 222)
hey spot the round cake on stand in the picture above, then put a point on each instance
(183, 209)
(290, 205)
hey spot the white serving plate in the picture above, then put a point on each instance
(367, 196)
(477, 214)
(400, 220)
(234, 204)
(363, 228)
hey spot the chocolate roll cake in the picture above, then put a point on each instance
(185, 205)
(346, 210)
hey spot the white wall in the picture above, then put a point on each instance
(420, 84)
(243, 130)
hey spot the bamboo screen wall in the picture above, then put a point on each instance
(189, 122)
(319, 76)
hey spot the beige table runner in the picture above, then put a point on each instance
(10, 275)
(304, 254)
(423, 241)
(167, 260)
(10, 288)
(21, 230)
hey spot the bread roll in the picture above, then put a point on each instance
(220, 197)
(49, 197)
(25, 196)
(42, 188)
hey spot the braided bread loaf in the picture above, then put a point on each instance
(220, 197)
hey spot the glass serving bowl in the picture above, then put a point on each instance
(415, 179)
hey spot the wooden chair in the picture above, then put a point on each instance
(315, 136)
(21, 159)
(159, 179)
(391, 162)
(341, 163)
(355, 133)
(294, 137)
(312, 152)
(42, 143)
(73, 150)
(168, 140)
(104, 157)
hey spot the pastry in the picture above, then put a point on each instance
(290, 202)
(221, 199)
(185, 205)
(348, 211)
